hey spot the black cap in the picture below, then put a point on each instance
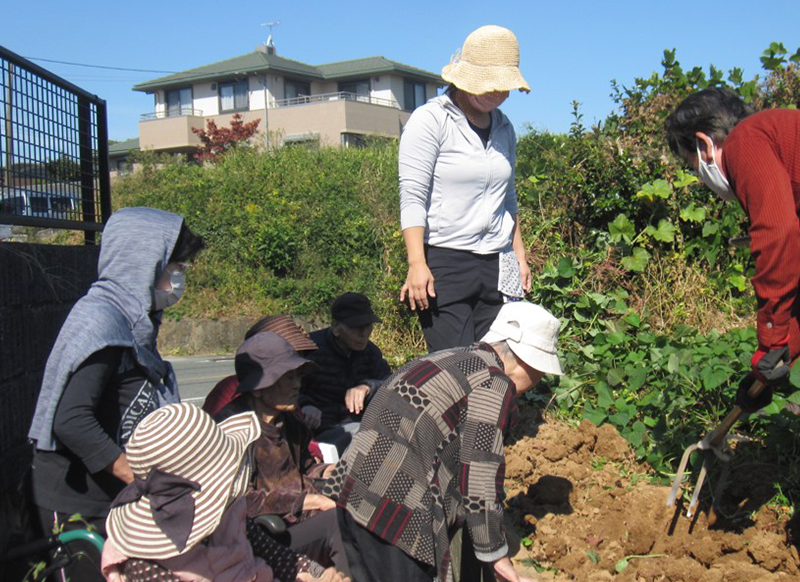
(353, 310)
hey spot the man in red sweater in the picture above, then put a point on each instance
(755, 158)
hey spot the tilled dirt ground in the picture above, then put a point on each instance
(585, 504)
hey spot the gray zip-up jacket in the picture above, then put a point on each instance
(462, 192)
(116, 311)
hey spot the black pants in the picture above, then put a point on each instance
(85, 567)
(467, 299)
(319, 538)
(375, 560)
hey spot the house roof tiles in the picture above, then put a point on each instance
(259, 62)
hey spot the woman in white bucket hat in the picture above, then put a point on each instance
(458, 204)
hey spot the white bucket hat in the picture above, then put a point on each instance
(488, 62)
(186, 470)
(531, 332)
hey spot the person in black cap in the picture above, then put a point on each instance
(350, 370)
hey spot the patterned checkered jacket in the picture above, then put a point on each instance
(429, 456)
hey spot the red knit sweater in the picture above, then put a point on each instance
(761, 159)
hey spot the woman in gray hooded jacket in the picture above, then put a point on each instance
(104, 373)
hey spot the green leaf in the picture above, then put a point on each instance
(620, 419)
(593, 556)
(637, 261)
(633, 318)
(712, 377)
(617, 338)
(684, 179)
(693, 213)
(594, 415)
(656, 189)
(738, 281)
(621, 229)
(621, 565)
(636, 378)
(794, 378)
(710, 228)
(605, 398)
(565, 268)
(673, 364)
(614, 377)
(665, 231)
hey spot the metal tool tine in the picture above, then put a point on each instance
(700, 480)
(676, 482)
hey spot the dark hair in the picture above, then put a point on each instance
(187, 246)
(714, 111)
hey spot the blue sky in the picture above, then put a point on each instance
(569, 50)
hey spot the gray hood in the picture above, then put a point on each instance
(116, 311)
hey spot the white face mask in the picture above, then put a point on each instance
(713, 177)
(163, 299)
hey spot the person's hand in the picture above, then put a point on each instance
(355, 397)
(418, 286)
(328, 471)
(743, 399)
(312, 415)
(316, 501)
(120, 468)
(771, 366)
(329, 575)
(525, 274)
(505, 570)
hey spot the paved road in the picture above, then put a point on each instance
(197, 375)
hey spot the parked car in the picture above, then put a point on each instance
(58, 202)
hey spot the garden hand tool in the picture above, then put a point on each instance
(715, 442)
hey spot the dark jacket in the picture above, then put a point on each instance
(284, 469)
(340, 370)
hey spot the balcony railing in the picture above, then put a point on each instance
(338, 96)
(182, 112)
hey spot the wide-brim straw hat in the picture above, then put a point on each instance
(489, 61)
(183, 441)
(531, 332)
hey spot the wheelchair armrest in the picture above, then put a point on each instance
(274, 524)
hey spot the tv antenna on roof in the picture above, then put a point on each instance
(270, 24)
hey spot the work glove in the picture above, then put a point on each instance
(743, 399)
(772, 366)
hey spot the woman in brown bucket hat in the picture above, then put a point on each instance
(458, 204)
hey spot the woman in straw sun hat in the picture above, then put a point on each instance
(458, 204)
(184, 516)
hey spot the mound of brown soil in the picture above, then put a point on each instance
(584, 504)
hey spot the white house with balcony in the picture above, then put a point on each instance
(337, 104)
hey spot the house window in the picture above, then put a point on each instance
(179, 101)
(233, 96)
(414, 95)
(354, 140)
(293, 89)
(360, 88)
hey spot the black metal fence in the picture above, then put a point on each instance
(53, 151)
